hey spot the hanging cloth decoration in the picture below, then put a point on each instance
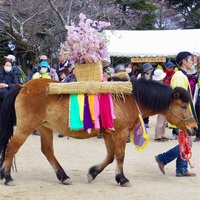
(87, 116)
(74, 113)
(139, 137)
(105, 111)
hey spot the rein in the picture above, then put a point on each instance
(182, 119)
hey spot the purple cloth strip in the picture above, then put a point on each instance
(87, 120)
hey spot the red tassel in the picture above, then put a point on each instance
(184, 143)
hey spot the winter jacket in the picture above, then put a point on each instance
(10, 78)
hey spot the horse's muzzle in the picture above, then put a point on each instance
(192, 132)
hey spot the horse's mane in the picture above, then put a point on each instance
(155, 95)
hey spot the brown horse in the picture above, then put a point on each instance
(32, 108)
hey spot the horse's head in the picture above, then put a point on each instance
(179, 112)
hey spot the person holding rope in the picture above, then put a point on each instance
(179, 79)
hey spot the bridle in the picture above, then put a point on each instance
(182, 119)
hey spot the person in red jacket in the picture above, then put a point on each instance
(169, 70)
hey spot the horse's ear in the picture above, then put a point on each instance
(176, 95)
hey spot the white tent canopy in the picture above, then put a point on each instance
(156, 43)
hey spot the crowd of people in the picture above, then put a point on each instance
(186, 76)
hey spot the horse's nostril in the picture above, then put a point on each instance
(188, 132)
(195, 129)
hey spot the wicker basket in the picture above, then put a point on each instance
(88, 72)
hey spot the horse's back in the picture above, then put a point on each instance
(33, 101)
(34, 107)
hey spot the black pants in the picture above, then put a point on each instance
(146, 120)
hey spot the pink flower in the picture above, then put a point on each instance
(85, 43)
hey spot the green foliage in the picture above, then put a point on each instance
(189, 9)
(147, 22)
(140, 5)
(119, 60)
(148, 9)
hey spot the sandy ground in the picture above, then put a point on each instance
(35, 178)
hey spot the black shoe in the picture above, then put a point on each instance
(61, 135)
(99, 136)
(36, 133)
(159, 140)
(128, 140)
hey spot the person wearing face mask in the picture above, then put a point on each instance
(43, 71)
(52, 71)
(8, 79)
(132, 70)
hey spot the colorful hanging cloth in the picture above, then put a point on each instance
(112, 106)
(81, 99)
(139, 137)
(74, 113)
(91, 105)
(105, 111)
(87, 116)
(96, 112)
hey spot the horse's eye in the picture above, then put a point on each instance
(183, 107)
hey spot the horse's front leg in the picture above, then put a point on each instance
(12, 148)
(48, 151)
(97, 169)
(120, 145)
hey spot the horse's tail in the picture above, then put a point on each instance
(7, 120)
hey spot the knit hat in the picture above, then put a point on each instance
(147, 66)
(169, 64)
(159, 75)
(182, 55)
(192, 70)
(44, 64)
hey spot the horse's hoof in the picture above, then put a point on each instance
(67, 182)
(127, 184)
(10, 183)
(90, 178)
(122, 180)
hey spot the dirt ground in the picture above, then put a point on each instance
(35, 178)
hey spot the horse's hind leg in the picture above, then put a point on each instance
(12, 148)
(47, 149)
(95, 170)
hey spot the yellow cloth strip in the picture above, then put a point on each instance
(91, 105)
(81, 105)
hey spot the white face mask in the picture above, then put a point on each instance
(128, 70)
(7, 68)
(44, 69)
